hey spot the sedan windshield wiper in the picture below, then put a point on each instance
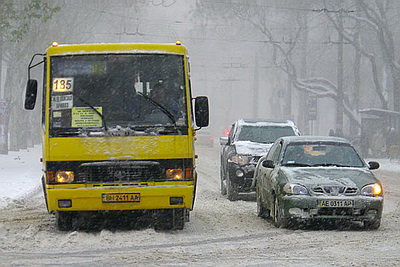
(330, 164)
(297, 164)
(160, 107)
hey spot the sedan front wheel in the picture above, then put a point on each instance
(223, 182)
(232, 190)
(279, 219)
(261, 210)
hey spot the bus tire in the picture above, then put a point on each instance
(64, 220)
(169, 219)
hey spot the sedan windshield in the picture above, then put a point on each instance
(321, 154)
(105, 92)
(264, 134)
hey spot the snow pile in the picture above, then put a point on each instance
(20, 174)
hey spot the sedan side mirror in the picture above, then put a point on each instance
(268, 163)
(223, 140)
(373, 165)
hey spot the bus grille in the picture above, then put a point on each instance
(119, 171)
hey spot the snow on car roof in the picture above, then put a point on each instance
(254, 122)
(313, 138)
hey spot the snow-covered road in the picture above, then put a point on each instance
(220, 232)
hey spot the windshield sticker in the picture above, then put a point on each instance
(86, 117)
(62, 85)
(62, 102)
(99, 68)
(57, 124)
(57, 114)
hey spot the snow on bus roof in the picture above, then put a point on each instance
(115, 48)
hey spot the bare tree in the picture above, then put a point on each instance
(17, 18)
(369, 27)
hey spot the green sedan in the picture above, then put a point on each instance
(313, 179)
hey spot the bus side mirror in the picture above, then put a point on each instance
(30, 95)
(201, 111)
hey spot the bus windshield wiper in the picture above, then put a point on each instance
(95, 110)
(160, 107)
(66, 131)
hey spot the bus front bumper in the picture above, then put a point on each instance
(119, 198)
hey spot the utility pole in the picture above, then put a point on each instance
(288, 100)
(3, 107)
(304, 111)
(1, 64)
(340, 93)
(340, 87)
(354, 131)
(256, 88)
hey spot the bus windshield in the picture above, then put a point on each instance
(114, 91)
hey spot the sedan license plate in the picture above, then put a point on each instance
(334, 203)
(120, 197)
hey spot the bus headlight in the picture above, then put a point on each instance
(64, 177)
(174, 174)
(179, 174)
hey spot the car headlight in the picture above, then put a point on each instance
(64, 177)
(240, 159)
(295, 189)
(239, 173)
(372, 190)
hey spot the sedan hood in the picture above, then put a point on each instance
(252, 148)
(309, 176)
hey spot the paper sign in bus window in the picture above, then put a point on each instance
(62, 85)
(62, 102)
(57, 114)
(86, 117)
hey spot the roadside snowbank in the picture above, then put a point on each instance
(20, 173)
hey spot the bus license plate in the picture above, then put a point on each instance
(120, 197)
(331, 203)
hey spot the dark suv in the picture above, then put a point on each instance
(248, 140)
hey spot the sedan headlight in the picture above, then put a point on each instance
(295, 189)
(240, 159)
(372, 190)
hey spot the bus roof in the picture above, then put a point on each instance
(115, 48)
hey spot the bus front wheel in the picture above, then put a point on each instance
(64, 220)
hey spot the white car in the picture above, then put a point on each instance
(247, 142)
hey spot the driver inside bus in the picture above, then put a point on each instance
(166, 99)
